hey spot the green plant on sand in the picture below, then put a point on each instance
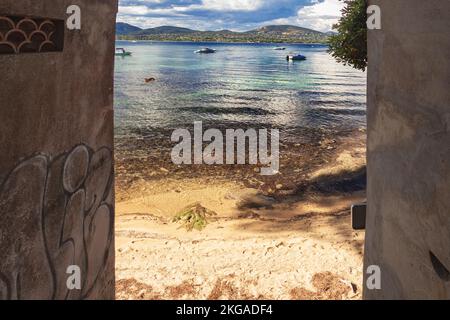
(193, 217)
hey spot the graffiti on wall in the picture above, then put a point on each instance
(56, 212)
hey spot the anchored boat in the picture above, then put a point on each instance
(121, 52)
(297, 57)
(205, 50)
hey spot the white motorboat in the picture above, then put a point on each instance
(206, 50)
(297, 57)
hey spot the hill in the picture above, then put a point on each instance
(287, 33)
(164, 30)
(126, 29)
(283, 30)
(274, 34)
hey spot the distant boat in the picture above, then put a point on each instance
(205, 50)
(121, 52)
(279, 48)
(297, 57)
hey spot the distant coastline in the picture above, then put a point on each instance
(274, 41)
(270, 34)
(325, 44)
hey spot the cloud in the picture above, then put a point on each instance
(232, 5)
(236, 15)
(320, 16)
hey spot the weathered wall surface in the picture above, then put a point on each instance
(408, 226)
(56, 155)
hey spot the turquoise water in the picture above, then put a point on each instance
(250, 85)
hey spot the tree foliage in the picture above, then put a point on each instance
(349, 45)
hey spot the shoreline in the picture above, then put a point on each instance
(302, 153)
(231, 42)
(282, 237)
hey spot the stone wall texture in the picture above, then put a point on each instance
(56, 159)
(408, 222)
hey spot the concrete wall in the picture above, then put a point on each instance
(56, 157)
(408, 226)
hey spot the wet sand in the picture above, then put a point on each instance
(273, 237)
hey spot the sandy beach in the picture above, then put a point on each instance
(278, 237)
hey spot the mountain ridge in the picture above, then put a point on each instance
(126, 28)
(270, 33)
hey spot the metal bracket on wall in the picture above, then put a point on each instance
(21, 34)
(358, 212)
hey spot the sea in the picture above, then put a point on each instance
(241, 85)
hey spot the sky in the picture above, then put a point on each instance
(236, 15)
